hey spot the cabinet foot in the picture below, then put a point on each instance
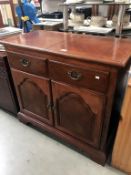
(22, 119)
(92, 153)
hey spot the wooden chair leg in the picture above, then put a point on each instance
(113, 9)
(95, 10)
(1, 20)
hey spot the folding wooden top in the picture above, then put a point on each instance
(107, 50)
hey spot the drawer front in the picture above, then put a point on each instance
(88, 78)
(28, 64)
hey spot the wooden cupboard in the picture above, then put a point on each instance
(10, 12)
(70, 91)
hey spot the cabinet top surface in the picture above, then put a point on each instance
(107, 50)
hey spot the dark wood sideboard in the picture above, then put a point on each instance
(71, 85)
(8, 99)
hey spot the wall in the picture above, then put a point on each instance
(51, 5)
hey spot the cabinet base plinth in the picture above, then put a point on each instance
(94, 154)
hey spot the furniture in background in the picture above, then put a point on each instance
(121, 157)
(120, 7)
(10, 2)
(8, 100)
(112, 9)
(48, 25)
(69, 88)
(1, 20)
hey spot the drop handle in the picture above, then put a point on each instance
(74, 75)
(25, 62)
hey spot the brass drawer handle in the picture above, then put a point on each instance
(24, 62)
(74, 75)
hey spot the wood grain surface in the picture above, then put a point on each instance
(107, 50)
(122, 149)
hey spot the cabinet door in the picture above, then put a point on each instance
(78, 112)
(34, 95)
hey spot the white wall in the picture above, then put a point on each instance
(51, 5)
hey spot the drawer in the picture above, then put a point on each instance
(89, 78)
(28, 64)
